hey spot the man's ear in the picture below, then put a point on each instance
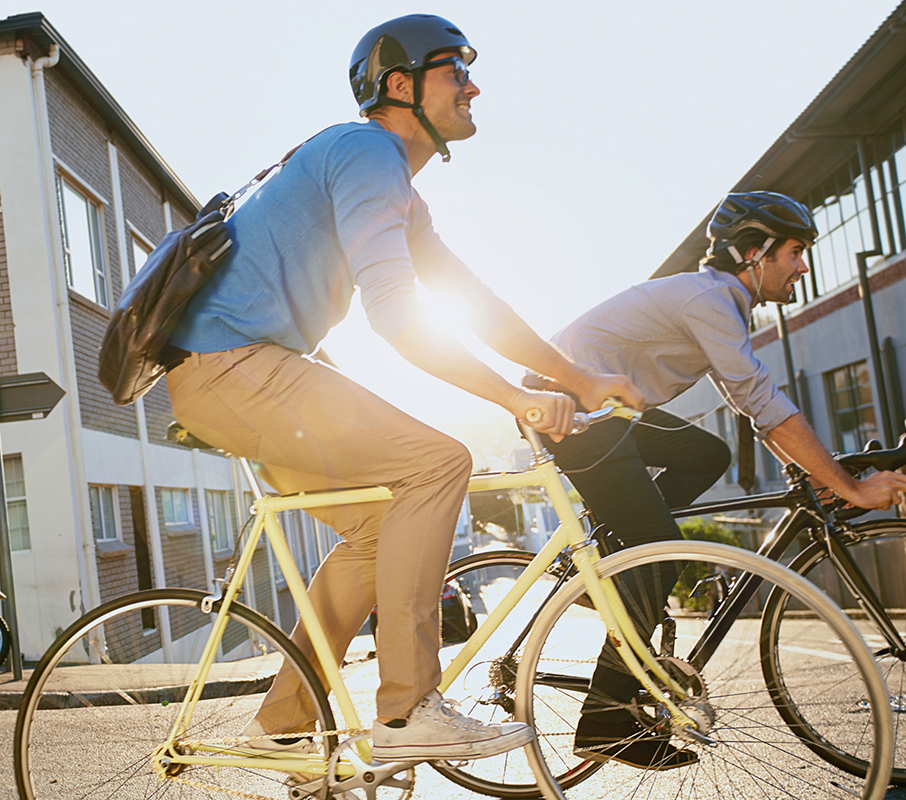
(399, 86)
(751, 253)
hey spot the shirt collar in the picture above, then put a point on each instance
(740, 293)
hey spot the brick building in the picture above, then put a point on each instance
(839, 349)
(99, 503)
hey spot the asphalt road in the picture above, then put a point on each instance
(361, 676)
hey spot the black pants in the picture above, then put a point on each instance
(634, 509)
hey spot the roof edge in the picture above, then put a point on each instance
(36, 27)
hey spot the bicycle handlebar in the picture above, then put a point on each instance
(581, 420)
(873, 456)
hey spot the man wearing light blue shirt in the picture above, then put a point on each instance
(341, 214)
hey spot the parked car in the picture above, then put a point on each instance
(458, 620)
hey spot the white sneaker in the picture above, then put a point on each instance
(436, 730)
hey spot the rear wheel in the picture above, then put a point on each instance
(105, 696)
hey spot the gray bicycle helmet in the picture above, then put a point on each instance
(776, 215)
(406, 43)
(772, 217)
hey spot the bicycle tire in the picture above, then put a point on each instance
(839, 740)
(87, 730)
(488, 688)
(751, 751)
(5, 641)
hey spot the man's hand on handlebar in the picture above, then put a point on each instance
(601, 388)
(879, 490)
(547, 412)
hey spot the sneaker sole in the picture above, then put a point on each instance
(474, 749)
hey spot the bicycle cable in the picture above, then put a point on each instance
(632, 424)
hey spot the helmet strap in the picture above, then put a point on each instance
(416, 106)
(750, 264)
(439, 144)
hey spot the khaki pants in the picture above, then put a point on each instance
(313, 428)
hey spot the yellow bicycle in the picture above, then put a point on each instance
(111, 713)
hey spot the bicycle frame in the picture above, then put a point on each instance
(569, 536)
(804, 510)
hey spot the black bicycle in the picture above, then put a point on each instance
(862, 562)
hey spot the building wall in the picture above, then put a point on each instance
(8, 362)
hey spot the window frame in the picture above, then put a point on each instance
(851, 390)
(16, 501)
(114, 509)
(169, 490)
(221, 538)
(138, 239)
(101, 294)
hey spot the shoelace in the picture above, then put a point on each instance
(456, 718)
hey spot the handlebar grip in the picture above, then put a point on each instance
(611, 407)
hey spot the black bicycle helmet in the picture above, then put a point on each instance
(776, 215)
(405, 43)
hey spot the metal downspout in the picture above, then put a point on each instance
(865, 294)
(85, 551)
(788, 357)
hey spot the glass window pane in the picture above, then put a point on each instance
(833, 213)
(94, 502)
(14, 476)
(19, 536)
(97, 260)
(166, 500)
(140, 254)
(78, 242)
(848, 204)
(109, 518)
(180, 506)
(841, 255)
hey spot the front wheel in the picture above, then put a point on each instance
(743, 748)
(879, 549)
(105, 696)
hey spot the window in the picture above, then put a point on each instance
(14, 478)
(176, 506)
(83, 254)
(140, 253)
(103, 518)
(852, 407)
(221, 538)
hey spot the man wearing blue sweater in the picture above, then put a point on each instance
(341, 214)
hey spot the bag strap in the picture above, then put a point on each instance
(229, 203)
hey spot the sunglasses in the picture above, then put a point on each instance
(460, 70)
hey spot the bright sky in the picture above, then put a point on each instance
(607, 129)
